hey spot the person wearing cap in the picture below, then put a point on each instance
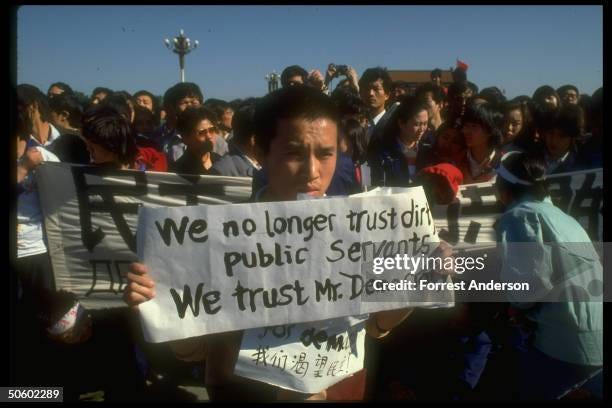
(561, 338)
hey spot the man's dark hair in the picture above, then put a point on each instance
(190, 117)
(542, 93)
(243, 123)
(101, 89)
(401, 85)
(61, 85)
(457, 88)
(527, 166)
(355, 136)
(436, 92)
(349, 104)
(489, 118)
(179, 91)
(218, 106)
(120, 101)
(493, 95)
(473, 87)
(290, 103)
(436, 73)
(154, 99)
(23, 125)
(520, 99)
(568, 119)
(65, 102)
(374, 74)
(290, 72)
(109, 128)
(145, 121)
(595, 106)
(28, 95)
(563, 89)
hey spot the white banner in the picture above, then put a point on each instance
(91, 216)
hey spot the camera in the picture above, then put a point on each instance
(340, 69)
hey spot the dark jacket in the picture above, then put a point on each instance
(389, 166)
(70, 148)
(344, 181)
(189, 163)
(234, 164)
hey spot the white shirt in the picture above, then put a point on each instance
(377, 118)
(52, 137)
(477, 169)
(29, 216)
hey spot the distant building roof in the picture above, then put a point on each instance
(419, 77)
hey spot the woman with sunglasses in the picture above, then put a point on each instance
(198, 130)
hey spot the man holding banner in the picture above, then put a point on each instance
(297, 130)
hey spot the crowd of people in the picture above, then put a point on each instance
(368, 131)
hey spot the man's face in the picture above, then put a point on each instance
(374, 95)
(54, 91)
(551, 101)
(145, 101)
(302, 158)
(97, 98)
(513, 123)
(398, 92)
(570, 97)
(187, 102)
(226, 118)
(557, 143)
(475, 135)
(436, 80)
(295, 80)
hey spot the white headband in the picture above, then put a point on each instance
(68, 321)
(509, 177)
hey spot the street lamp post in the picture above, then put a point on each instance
(272, 79)
(182, 46)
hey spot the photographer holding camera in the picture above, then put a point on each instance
(335, 71)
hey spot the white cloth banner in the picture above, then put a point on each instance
(90, 217)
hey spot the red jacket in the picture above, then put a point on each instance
(150, 159)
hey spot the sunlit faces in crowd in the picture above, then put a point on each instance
(302, 157)
(226, 118)
(187, 102)
(374, 95)
(556, 142)
(204, 132)
(513, 124)
(412, 129)
(145, 101)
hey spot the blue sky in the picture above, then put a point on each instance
(516, 48)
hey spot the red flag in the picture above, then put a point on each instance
(462, 65)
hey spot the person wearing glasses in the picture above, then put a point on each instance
(197, 127)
